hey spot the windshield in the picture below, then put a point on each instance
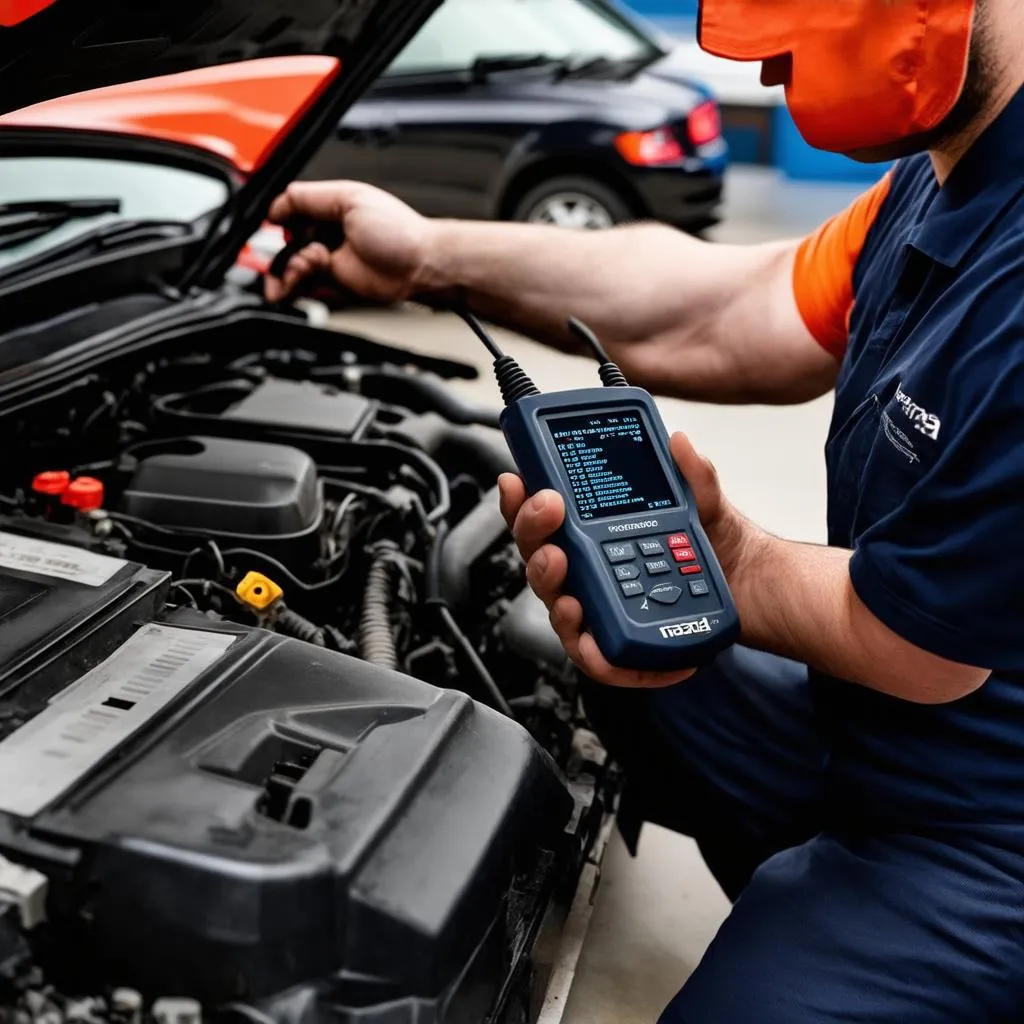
(461, 31)
(147, 192)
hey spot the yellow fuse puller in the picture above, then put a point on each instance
(258, 591)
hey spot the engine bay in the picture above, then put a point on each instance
(314, 822)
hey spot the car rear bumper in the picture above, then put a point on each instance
(685, 199)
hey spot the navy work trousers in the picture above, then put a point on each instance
(832, 921)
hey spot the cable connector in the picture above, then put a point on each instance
(512, 379)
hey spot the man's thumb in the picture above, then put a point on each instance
(700, 474)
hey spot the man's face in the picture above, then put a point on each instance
(868, 78)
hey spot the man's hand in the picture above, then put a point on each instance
(384, 257)
(534, 520)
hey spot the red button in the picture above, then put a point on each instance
(690, 570)
(684, 555)
(84, 493)
(54, 481)
(679, 540)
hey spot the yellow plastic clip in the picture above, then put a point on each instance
(258, 591)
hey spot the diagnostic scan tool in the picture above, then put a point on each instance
(653, 594)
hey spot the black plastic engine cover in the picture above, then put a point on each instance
(269, 820)
(226, 487)
(304, 407)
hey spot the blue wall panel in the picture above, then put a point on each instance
(801, 162)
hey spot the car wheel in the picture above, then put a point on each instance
(580, 203)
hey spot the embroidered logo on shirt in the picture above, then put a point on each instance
(924, 421)
(898, 439)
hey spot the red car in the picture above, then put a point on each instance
(233, 116)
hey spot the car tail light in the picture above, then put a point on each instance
(704, 124)
(648, 149)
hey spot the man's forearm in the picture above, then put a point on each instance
(684, 317)
(797, 600)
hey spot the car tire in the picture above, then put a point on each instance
(573, 202)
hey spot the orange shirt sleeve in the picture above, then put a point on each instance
(825, 261)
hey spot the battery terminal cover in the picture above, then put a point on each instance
(84, 493)
(52, 482)
(258, 592)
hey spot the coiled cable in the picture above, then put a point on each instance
(298, 627)
(376, 628)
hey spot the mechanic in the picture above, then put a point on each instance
(855, 773)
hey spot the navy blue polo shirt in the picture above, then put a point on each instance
(925, 460)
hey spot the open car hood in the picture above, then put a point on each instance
(51, 48)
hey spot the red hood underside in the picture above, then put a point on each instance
(241, 112)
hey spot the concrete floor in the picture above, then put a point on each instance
(655, 915)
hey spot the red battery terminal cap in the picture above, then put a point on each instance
(53, 482)
(84, 493)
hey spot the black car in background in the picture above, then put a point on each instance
(549, 111)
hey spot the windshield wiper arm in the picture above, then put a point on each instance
(21, 222)
(484, 66)
(618, 68)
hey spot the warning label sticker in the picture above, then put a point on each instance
(48, 755)
(59, 561)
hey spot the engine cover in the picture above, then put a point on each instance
(226, 487)
(234, 816)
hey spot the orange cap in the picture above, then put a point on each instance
(84, 493)
(53, 481)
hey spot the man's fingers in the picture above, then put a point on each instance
(317, 200)
(306, 262)
(533, 521)
(546, 573)
(567, 622)
(537, 520)
(700, 474)
(594, 664)
(512, 494)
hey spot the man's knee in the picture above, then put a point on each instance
(697, 761)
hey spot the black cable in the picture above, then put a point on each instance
(432, 589)
(337, 641)
(498, 701)
(123, 517)
(442, 495)
(589, 338)
(284, 571)
(611, 376)
(207, 586)
(187, 593)
(512, 379)
(211, 546)
(297, 626)
(481, 332)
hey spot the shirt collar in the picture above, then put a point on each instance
(987, 178)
